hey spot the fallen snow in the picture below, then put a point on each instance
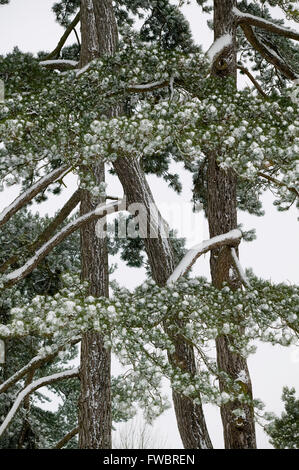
(218, 46)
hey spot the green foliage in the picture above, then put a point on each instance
(42, 428)
(49, 119)
(284, 431)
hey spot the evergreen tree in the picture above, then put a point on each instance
(160, 98)
(284, 431)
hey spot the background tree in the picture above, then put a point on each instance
(283, 431)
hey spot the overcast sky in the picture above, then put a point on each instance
(30, 25)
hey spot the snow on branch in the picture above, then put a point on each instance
(218, 46)
(265, 24)
(34, 364)
(269, 54)
(231, 238)
(239, 268)
(28, 195)
(146, 87)
(60, 64)
(101, 211)
(68, 374)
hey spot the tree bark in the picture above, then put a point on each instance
(98, 32)
(239, 433)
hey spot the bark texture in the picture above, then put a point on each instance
(99, 36)
(95, 419)
(222, 216)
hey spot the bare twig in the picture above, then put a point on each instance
(253, 80)
(279, 183)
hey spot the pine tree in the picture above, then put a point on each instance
(160, 98)
(284, 431)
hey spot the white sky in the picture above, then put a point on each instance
(30, 25)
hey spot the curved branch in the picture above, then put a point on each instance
(231, 238)
(34, 364)
(55, 53)
(100, 212)
(69, 374)
(268, 53)
(247, 19)
(28, 195)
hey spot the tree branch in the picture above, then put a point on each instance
(32, 388)
(231, 238)
(268, 53)
(34, 364)
(100, 212)
(278, 183)
(60, 64)
(253, 80)
(28, 195)
(55, 53)
(67, 438)
(247, 19)
(47, 233)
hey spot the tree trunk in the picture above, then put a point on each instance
(190, 417)
(95, 420)
(239, 433)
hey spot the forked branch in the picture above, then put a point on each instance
(56, 52)
(247, 19)
(269, 54)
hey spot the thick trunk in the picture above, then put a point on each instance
(99, 34)
(95, 419)
(222, 217)
(190, 417)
